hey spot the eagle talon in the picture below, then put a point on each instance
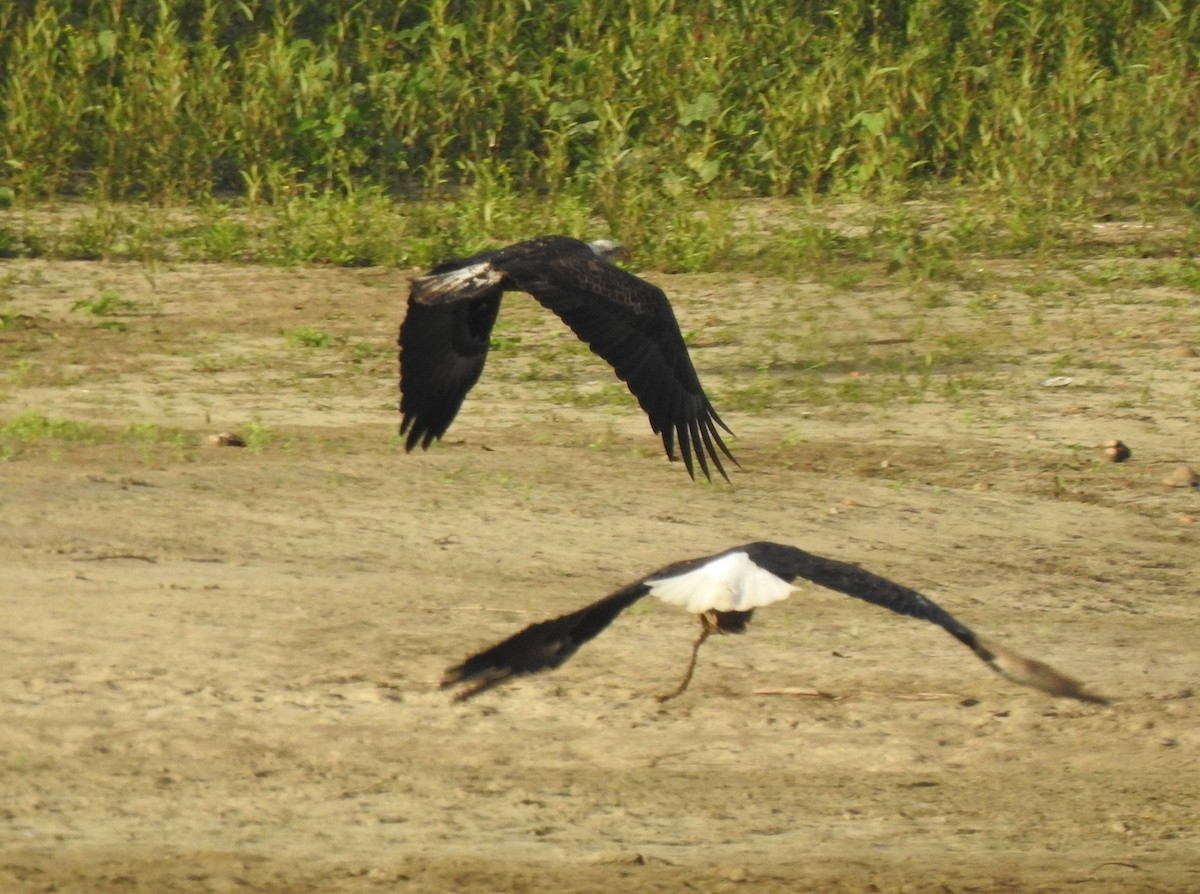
(707, 629)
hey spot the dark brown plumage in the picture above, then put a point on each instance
(724, 589)
(625, 320)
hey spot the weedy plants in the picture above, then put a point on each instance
(493, 120)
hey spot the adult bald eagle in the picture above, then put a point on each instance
(724, 589)
(629, 322)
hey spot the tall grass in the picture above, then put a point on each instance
(628, 110)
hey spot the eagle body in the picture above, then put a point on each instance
(622, 318)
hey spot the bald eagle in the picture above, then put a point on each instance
(444, 338)
(724, 590)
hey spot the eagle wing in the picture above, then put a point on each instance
(630, 324)
(540, 646)
(443, 349)
(790, 562)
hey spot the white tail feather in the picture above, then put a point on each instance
(729, 583)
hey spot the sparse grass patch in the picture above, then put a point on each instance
(10, 243)
(607, 395)
(367, 352)
(106, 304)
(1172, 272)
(308, 337)
(11, 319)
(838, 242)
(32, 433)
(764, 393)
(32, 427)
(844, 279)
(257, 435)
(26, 372)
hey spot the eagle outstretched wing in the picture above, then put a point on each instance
(622, 318)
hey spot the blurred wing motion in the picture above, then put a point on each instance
(724, 589)
(541, 646)
(622, 318)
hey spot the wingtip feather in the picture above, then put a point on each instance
(479, 682)
(1031, 672)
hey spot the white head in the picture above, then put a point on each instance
(609, 250)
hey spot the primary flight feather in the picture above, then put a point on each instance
(625, 320)
(724, 590)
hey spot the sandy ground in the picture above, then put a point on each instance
(221, 665)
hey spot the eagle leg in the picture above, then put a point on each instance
(707, 628)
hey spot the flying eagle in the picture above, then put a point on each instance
(627, 321)
(724, 590)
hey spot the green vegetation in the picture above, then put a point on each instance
(395, 132)
(106, 304)
(307, 337)
(258, 435)
(32, 427)
(31, 433)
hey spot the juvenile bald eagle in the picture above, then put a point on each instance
(627, 321)
(724, 590)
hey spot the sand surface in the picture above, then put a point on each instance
(221, 665)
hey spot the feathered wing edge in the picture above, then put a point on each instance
(540, 646)
(790, 562)
(699, 435)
